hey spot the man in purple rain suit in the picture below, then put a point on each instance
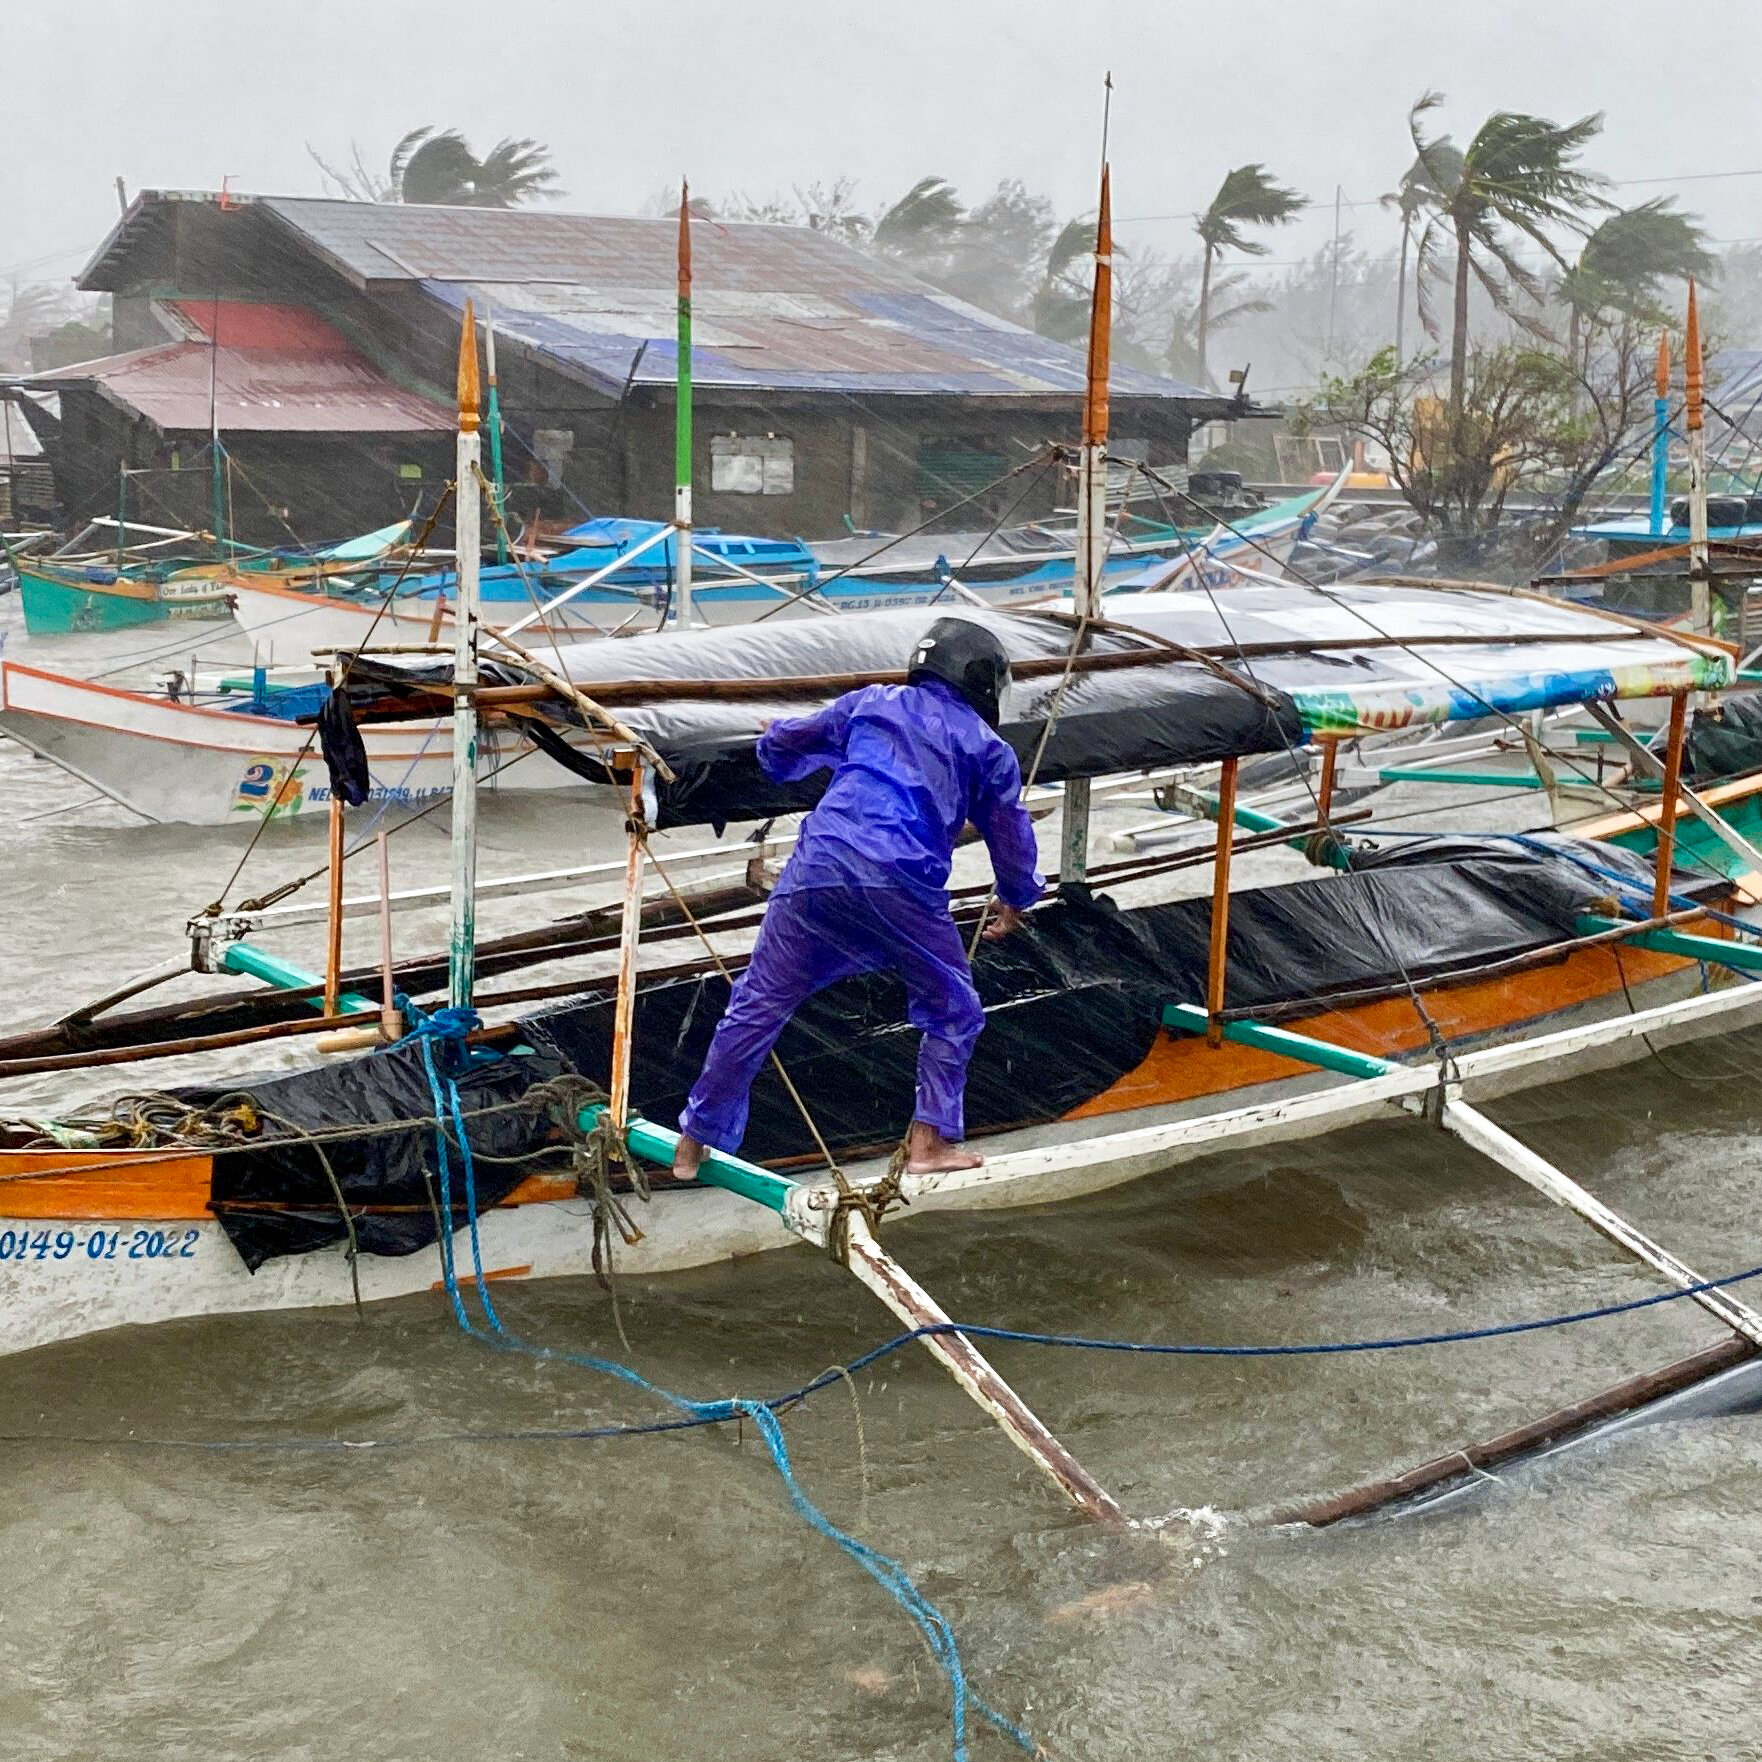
(866, 887)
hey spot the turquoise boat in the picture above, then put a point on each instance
(67, 594)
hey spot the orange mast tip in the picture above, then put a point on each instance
(1095, 411)
(1662, 382)
(469, 398)
(684, 237)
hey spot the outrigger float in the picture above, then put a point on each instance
(1419, 969)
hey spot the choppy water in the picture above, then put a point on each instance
(655, 1597)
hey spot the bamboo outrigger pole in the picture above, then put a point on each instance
(1091, 552)
(462, 942)
(682, 422)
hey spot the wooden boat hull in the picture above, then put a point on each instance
(126, 1237)
(184, 763)
(61, 602)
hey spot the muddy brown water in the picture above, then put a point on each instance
(167, 1591)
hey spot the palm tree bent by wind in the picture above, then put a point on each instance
(439, 168)
(1417, 194)
(1517, 175)
(1247, 197)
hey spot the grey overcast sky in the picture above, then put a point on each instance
(757, 95)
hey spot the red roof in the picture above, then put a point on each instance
(245, 326)
(276, 369)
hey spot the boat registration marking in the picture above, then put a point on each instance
(65, 1244)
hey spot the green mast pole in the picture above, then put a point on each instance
(498, 495)
(682, 419)
(218, 492)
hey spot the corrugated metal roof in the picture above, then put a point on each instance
(288, 372)
(782, 308)
(18, 439)
(779, 308)
(241, 325)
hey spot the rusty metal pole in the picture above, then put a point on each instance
(1679, 704)
(391, 1022)
(630, 931)
(1324, 796)
(1218, 961)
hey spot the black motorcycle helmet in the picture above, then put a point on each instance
(968, 657)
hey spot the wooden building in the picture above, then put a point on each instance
(832, 389)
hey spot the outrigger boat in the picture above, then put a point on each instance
(619, 577)
(154, 579)
(1419, 969)
(168, 755)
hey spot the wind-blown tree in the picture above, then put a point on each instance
(439, 168)
(1517, 176)
(1061, 302)
(1418, 193)
(922, 226)
(1001, 248)
(1247, 197)
(1624, 267)
(1531, 421)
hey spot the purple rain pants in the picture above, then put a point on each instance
(812, 937)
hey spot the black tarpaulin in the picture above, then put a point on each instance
(274, 1197)
(1725, 740)
(1073, 1000)
(1169, 712)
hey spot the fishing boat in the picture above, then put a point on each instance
(1417, 967)
(618, 577)
(241, 754)
(155, 579)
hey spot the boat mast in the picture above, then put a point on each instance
(682, 420)
(1661, 436)
(216, 469)
(1091, 553)
(493, 411)
(1694, 385)
(467, 543)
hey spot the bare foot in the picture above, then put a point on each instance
(687, 1155)
(929, 1153)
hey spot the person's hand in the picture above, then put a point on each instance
(1004, 918)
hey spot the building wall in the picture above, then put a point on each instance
(282, 489)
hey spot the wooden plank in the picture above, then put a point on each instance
(1550, 1428)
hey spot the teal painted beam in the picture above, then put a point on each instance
(1192, 1019)
(1478, 779)
(251, 962)
(1250, 819)
(733, 1174)
(1743, 957)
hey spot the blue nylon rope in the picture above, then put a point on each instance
(449, 1027)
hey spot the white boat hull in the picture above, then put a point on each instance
(63, 1277)
(184, 763)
